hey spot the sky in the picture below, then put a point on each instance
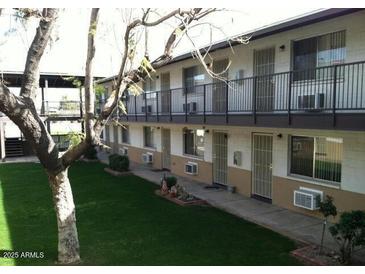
(67, 52)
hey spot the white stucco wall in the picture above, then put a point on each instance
(241, 56)
(240, 139)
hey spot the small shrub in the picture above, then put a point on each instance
(171, 181)
(91, 153)
(119, 162)
(349, 233)
(327, 208)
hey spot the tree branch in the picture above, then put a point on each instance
(35, 53)
(134, 76)
(22, 112)
(89, 85)
(75, 152)
(21, 109)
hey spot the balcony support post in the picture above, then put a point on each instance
(135, 107)
(186, 104)
(157, 106)
(334, 95)
(42, 108)
(170, 106)
(254, 99)
(81, 111)
(127, 98)
(226, 106)
(145, 106)
(289, 97)
(204, 103)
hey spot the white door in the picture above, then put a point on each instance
(262, 165)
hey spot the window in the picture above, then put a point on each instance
(316, 157)
(148, 136)
(315, 52)
(193, 76)
(125, 134)
(194, 142)
(149, 84)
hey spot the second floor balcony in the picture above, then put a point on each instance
(331, 97)
(57, 109)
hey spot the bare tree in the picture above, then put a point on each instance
(21, 109)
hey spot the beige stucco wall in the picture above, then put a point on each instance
(241, 179)
(349, 195)
(204, 168)
(283, 189)
(240, 139)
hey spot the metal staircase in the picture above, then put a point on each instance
(14, 147)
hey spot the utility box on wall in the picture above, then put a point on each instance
(237, 158)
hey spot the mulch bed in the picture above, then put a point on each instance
(310, 256)
(177, 201)
(117, 173)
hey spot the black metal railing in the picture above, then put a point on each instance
(336, 88)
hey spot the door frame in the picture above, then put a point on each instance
(218, 106)
(226, 133)
(162, 146)
(270, 81)
(253, 195)
(165, 93)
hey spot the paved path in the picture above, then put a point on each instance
(297, 226)
(21, 159)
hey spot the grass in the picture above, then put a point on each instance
(122, 222)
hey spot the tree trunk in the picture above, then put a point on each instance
(68, 242)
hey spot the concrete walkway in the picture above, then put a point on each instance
(294, 225)
(21, 159)
(302, 228)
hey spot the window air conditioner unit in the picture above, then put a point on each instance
(311, 102)
(149, 109)
(123, 151)
(191, 168)
(307, 198)
(191, 107)
(147, 158)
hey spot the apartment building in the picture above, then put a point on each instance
(59, 103)
(287, 126)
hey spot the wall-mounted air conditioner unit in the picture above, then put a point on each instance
(191, 107)
(307, 198)
(123, 151)
(191, 168)
(149, 109)
(311, 102)
(147, 158)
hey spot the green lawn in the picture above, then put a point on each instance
(122, 222)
